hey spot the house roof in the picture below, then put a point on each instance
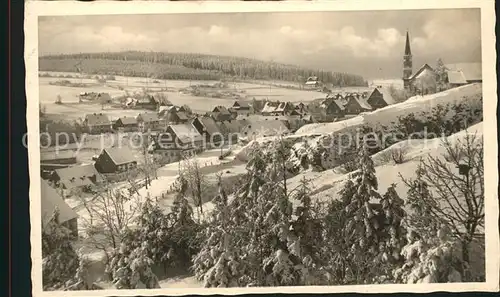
(456, 77)
(420, 70)
(182, 116)
(385, 94)
(339, 103)
(97, 119)
(312, 78)
(210, 125)
(221, 109)
(469, 71)
(105, 97)
(362, 102)
(63, 154)
(265, 128)
(120, 155)
(50, 200)
(149, 117)
(76, 176)
(186, 132)
(241, 103)
(230, 126)
(282, 106)
(128, 120)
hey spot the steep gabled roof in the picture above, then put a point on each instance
(128, 120)
(76, 176)
(456, 77)
(97, 119)
(120, 155)
(265, 128)
(209, 125)
(420, 70)
(50, 200)
(241, 104)
(469, 71)
(148, 117)
(221, 109)
(186, 132)
(339, 103)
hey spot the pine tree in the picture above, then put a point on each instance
(60, 261)
(154, 230)
(393, 235)
(83, 278)
(364, 225)
(306, 238)
(141, 274)
(441, 75)
(419, 202)
(434, 260)
(216, 263)
(184, 242)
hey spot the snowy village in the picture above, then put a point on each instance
(168, 169)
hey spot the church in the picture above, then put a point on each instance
(425, 79)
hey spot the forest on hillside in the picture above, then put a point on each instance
(189, 66)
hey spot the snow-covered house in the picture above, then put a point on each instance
(148, 120)
(76, 177)
(464, 73)
(424, 81)
(126, 124)
(50, 201)
(356, 105)
(116, 160)
(242, 107)
(97, 123)
(257, 129)
(208, 128)
(178, 141)
(312, 82)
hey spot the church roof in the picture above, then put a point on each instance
(407, 46)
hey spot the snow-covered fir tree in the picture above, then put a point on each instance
(60, 260)
(183, 241)
(154, 230)
(392, 233)
(306, 236)
(217, 264)
(83, 279)
(430, 260)
(363, 229)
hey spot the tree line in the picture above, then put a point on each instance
(190, 66)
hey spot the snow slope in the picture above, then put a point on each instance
(386, 115)
(325, 185)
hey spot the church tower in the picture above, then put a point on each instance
(407, 63)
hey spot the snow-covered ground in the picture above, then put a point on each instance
(386, 115)
(325, 185)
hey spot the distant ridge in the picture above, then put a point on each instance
(184, 66)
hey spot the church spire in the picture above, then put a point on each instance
(407, 47)
(407, 63)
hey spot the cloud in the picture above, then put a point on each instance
(356, 42)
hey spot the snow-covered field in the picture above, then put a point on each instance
(71, 108)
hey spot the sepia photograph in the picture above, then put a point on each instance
(189, 148)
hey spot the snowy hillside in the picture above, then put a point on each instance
(390, 113)
(326, 184)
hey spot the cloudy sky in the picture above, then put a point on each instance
(366, 43)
